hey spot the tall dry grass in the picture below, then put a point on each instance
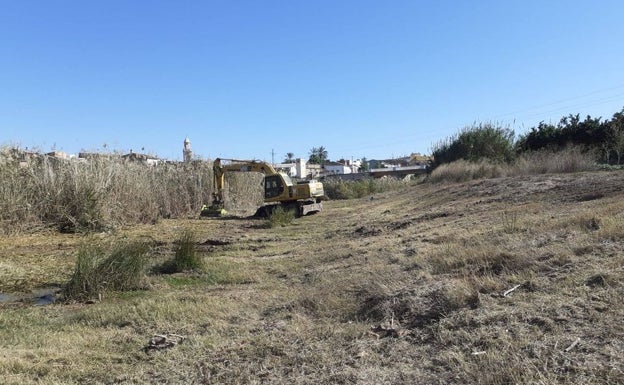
(463, 170)
(571, 159)
(97, 194)
(531, 163)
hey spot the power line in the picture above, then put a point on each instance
(584, 104)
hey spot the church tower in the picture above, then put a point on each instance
(187, 153)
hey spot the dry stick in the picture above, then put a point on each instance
(506, 293)
(573, 344)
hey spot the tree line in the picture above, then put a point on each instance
(604, 139)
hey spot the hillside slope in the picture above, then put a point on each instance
(511, 280)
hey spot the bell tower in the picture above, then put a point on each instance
(187, 153)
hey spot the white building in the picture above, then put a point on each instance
(336, 168)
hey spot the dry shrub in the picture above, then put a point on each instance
(462, 170)
(415, 307)
(571, 159)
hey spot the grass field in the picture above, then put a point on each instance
(514, 280)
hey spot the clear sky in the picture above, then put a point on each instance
(243, 79)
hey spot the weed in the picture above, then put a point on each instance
(510, 222)
(280, 217)
(185, 258)
(98, 270)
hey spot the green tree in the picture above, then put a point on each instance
(364, 167)
(475, 142)
(318, 155)
(616, 134)
(590, 134)
(290, 157)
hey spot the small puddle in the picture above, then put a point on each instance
(38, 297)
(45, 299)
(6, 298)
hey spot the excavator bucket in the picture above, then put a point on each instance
(214, 210)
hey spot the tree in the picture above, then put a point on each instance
(616, 134)
(290, 157)
(364, 167)
(318, 155)
(485, 140)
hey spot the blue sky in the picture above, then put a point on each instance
(245, 79)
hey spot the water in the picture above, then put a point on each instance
(38, 297)
(6, 298)
(45, 300)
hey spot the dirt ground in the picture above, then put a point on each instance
(503, 281)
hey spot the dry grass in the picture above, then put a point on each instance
(462, 170)
(96, 195)
(412, 287)
(541, 162)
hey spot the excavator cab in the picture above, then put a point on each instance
(273, 186)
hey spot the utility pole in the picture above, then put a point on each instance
(272, 157)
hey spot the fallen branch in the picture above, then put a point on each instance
(573, 344)
(506, 293)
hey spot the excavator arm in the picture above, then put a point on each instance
(222, 166)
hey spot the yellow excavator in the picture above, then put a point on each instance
(279, 190)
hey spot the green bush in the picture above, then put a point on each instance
(476, 142)
(186, 257)
(280, 217)
(97, 270)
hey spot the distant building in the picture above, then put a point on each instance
(313, 171)
(58, 154)
(298, 169)
(336, 168)
(144, 158)
(97, 155)
(289, 169)
(187, 153)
